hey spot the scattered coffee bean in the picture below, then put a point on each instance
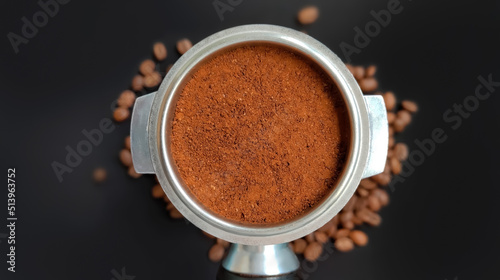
(390, 100)
(137, 83)
(308, 15)
(127, 142)
(175, 214)
(159, 51)
(132, 173)
(321, 237)
(216, 253)
(147, 67)
(401, 151)
(152, 80)
(358, 72)
(368, 184)
(99, 175)
(370, 71)
(299, 246)
(368, 84)
(313, 251)
(126, 99)
(120, 114)
(343, 232)
(358, 237)
(126, 157)
(157, 191)
(391, 117)
(223, 243)
(344, 244)
(184, 45)
(395, 165)
(410, 106)
(374, 203)
(310, 238)
(404, 115)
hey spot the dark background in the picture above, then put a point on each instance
(442, 222)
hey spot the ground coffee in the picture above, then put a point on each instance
(260, 134)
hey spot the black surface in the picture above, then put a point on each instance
(442, 222)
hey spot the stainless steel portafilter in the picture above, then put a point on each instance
(258, 250)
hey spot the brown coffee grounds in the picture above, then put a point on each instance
(260, 134)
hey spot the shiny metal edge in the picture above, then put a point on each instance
(139, 141)
(379, 136)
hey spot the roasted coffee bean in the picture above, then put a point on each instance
(147, 67)
(175, 214)
(361, 204)
(308, 15)
(404, 115)
(410, 106)
(165, 198)
(401, 151)
(310, 238)
(348, 224)
(325, 227)
(362, 192)
(369, 217)
(216, 253)
(391, 142)
(391, 117)
(121, 113)
(152, 80)
(159, 51)
(345, 216)
(126, 99)
(358, 237)
(382, 195)
(132, 173)
(390, 100)
(184, 45)
(382, 179)
(223, 243)
(391, 130)
(332, 232)
(313, 251)
(157, 191)
(370, 71)
(395, 165)
(321, 237)
(137, 83)
(99, 175)
(357, 221)
(299, 246)
(127, 142)
(170, 207)
(368, 84)
(399, 125)
(358, 72)
(344, 244)
(350, 204)
(126, 157)
(343, 232)
(368, 184)
(374, 203)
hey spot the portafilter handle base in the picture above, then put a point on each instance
(261, 261)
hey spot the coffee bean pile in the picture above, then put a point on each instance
(361, 209)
